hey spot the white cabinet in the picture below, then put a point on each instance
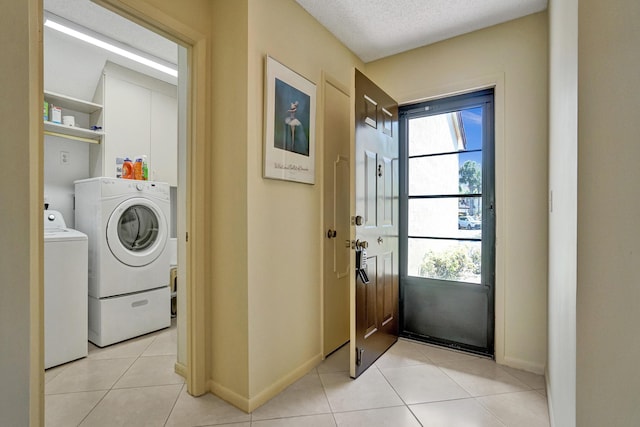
(127, 111)
(141, 115)
(164, 125)
(86, 114)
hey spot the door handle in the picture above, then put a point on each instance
(359, 244)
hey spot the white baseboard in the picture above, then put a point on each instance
(180, 369)
(525, 365)
(549, 400)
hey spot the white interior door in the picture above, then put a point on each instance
(336, 217)
(181, 300)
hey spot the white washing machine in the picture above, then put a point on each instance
(127, 222)
(65, 291)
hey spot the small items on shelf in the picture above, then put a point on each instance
(77, 113)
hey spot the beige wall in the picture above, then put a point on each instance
(229, 240)
(21, 339)
(265, 276)
(608, 289)
(563, 184)
(264, 282)
(284, 218)
(512, 56)
(222, 261)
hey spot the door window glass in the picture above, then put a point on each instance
(138, 228)
(444, 216)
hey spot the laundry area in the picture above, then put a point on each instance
(111, 192)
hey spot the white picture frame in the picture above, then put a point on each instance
(290, 118)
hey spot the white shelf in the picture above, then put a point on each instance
(73, 132)
(71, 103)
(85, 108)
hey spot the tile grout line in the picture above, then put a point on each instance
(489, 410)
(477, 398)
(132, 363)
(94, 407)
(452, 379)
(406, 405)
(116, 381)
(439, 368)
(324, 391)
(63, 368)
(472, 397)
(333, 412)
(431, 363)
(415, 416)
(173, 407)
(514, 377)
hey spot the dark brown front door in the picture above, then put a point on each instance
(376, 222)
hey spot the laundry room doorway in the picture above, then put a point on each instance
(188, 229)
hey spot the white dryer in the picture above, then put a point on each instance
(127, 222)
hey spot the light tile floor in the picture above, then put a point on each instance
(134, 384)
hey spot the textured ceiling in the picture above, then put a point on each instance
(374, 29)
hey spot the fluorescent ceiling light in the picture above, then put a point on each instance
(111, 48)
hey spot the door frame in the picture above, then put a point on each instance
(443, 89)
(497, 82)
(196, 130)
(197, 45)
(444, 105)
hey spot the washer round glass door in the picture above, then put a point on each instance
(137, 232)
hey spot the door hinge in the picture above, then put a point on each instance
(187, 236)
(359, 352)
